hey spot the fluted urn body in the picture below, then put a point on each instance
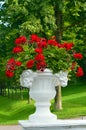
(42, 90)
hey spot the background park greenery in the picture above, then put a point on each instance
(63, 18)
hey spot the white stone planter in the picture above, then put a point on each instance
(42, 90)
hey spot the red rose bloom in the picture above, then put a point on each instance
(68, 46)
(11, 67)
(23, 39)
(52, 42)
(39, 57)
(9, 74)
(11, 64)
(78, 55)
(17, 49)
(38, 50)
(20, 40)
(11, 61)
(41, 65)
(59, 45)
(18, 63)
(17, 41)
(79, 72)
(42, 43)
(30, 64)
(34, 38)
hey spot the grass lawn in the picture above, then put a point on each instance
(73, 100)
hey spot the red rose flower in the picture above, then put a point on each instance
(9, 74)
(34, 38)
(20, 40)
(11, 64)
(17, 41)
(38, 50)
(11, 67)
(42, 43)
(68, 46)
(59, 45)
(11, 61)
(17, 49)
(39, 57)
(23, 39)
(41, 65)
(78, 55)
(79, 72)
(18, 63)
(52, 42)
(30, 64)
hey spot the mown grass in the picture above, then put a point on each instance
(73, 100)
(11, 110)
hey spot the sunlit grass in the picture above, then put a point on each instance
(11, 110)
(73, 101)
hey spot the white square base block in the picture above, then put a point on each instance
(59, 125)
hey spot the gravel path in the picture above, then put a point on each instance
(10, 127)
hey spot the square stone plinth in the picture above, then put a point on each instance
(59, 125)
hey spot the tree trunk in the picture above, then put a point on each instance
(59, 23)
(58, 98)
(58, 33)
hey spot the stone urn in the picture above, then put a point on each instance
(42, 90)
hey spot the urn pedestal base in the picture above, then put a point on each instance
(59, 125)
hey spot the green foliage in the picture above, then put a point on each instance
(57, 59)
(30, 26)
